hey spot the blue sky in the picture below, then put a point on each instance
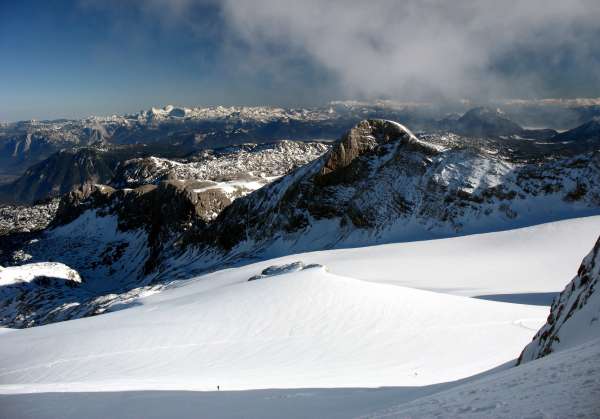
(77, 58)
(73, 59)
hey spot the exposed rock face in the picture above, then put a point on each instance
(381, 183)
(364, 137)
(161, 210)
(59, 174)
(574, 316)
(74, 203)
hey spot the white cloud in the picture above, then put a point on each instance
(422, 48)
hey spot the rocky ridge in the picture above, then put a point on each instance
(380, 183)
(574, 316)
(70, 169)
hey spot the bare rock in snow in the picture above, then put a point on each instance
(574, 316)
(275, 270)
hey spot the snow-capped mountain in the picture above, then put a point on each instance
(246, 161)
(378, 184)
(171, 128)
(487, 122)
(116, 237)
(25, 143)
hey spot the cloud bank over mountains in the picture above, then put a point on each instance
(423, 49)
(107, 56)
(416, 50)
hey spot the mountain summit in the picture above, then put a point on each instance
(485, 121)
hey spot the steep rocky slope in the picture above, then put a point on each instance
(380, 183)
(59, 174)
(574, 316)
(118, 238)
(133, 166)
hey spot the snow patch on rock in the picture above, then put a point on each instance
(27, 273)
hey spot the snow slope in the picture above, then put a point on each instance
(563, 385)
(360, 321)
(520, 262)
(303, 329)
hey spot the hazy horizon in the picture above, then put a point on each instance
(72, 59)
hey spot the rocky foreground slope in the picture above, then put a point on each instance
(574, 316)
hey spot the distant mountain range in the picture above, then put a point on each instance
(54, 157)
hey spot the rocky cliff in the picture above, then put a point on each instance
(574, 316)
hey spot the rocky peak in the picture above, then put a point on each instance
(75, 202)
(380, 183)
(365, 136)
(485, 121)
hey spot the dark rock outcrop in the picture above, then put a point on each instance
(59, 174)
(276, 270)
(574, 316)
(363, 138)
